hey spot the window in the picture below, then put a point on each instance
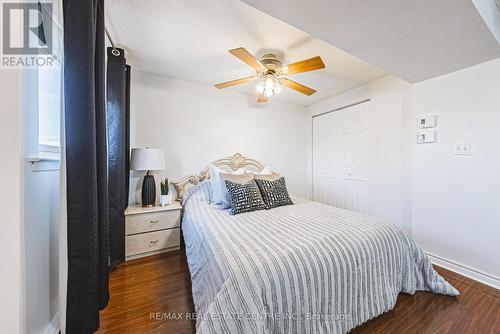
(49, 84)
(49, 108)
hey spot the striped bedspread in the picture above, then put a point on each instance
(303, 268)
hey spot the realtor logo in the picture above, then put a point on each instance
(27, 34)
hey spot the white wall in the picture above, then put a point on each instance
(196, 124)
(10, 198)
(387, 149)
(448, 203)
(456, 199)
(30, 214)
(41, 203)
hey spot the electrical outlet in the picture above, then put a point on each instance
(462, 149)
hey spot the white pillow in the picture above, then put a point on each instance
(266, 174)
(219, 194)
(265, 170)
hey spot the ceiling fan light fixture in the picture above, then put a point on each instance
(269, 86)
(272, 74)
(260, 87)
(277, 89)
(269, 83)
(268, 92)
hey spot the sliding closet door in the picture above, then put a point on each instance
(320, 179)
(340, 175)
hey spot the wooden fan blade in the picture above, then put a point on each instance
(298, 87)
(235, 82)
(246, 57)
(306, 65)
(261, 98)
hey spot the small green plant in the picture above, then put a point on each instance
(164, 187)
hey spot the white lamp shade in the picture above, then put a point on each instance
(147, 159)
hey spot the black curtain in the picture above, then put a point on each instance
(118, 115)
(86, 164)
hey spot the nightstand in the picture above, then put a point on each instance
(152, 230)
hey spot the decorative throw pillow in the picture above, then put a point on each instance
(274, 193)
(244, 197)
(218, 186)
(235, 178)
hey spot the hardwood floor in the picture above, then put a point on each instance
(143, 290)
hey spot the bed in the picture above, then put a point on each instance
(302, 268)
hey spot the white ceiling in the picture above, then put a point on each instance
(413, 39)
(190, 39)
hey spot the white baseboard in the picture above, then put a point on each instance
(54, 326)
(466, 271)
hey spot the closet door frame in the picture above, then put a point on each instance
(353, 175)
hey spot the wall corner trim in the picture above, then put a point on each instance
(466, 271)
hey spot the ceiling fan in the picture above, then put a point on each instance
(272, 74)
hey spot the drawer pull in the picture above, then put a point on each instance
(154, 221)
(153, 242)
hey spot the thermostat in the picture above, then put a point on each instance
(429, 121)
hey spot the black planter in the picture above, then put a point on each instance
(148, 191)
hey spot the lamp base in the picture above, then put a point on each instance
(148, 191)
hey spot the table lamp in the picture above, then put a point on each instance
(147, 159)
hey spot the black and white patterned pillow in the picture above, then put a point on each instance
(274, 193)
(244, 197)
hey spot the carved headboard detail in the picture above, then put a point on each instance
(233, 162)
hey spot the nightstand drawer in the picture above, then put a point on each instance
(152, 221)
(152, 241)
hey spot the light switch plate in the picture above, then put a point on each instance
(462, 149)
